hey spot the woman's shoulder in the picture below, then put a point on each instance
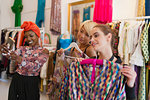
(90, 51)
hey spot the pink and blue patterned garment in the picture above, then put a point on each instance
(109, 83)
(32, 60)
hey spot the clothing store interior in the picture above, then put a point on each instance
(74, 49)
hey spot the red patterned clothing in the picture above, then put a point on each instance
(32, 60)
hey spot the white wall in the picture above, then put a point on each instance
(64, 16)
(6, 15)
(124, 9)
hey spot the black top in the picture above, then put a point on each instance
(130, 92)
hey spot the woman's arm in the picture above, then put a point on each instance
(130, 85)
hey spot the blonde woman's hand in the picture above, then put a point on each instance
(130, 74)
(60, 52)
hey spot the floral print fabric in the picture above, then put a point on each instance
(32, 60)
(62, 64)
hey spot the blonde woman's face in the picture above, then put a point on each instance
(83, 37)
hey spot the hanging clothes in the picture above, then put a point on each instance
(86, 13)
(103, 11)
(144, 45)
(54, 86)
(122, 41)
(20, 39)
(17, 9)
(40, 13)
(149, 40)
(108, 82)
(2, 39)
(75, 23)
(141, 8)
(144, 42)
(55, 22)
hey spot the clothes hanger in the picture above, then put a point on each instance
(73, 44)
(94, 62)
(143, 22)
(146, 21)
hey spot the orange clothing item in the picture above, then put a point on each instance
(28, 25)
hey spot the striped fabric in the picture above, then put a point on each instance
(108, 82)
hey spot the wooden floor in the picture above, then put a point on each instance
(4, 87)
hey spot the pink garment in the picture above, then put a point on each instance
(103, 11)
(93, 62)
(32, 60)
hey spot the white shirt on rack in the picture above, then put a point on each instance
(137, 57)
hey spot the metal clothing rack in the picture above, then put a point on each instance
(18, 28)
(12, 28)
(134, 18)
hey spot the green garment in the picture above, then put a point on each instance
(17, 8)
(144, 46)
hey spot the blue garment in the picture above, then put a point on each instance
(40, 13)
(64, 43)
(147, 8)
(86, 14)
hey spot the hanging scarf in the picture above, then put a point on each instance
(55, 22)
(40, 13)
(17, 8)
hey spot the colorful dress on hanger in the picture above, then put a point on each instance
(108, 83)
(60, 71)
